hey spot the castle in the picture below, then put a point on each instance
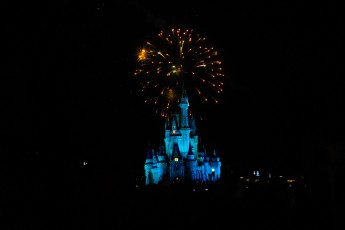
(181, 156)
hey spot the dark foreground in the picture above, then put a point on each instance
(244, 206)
(231, 205)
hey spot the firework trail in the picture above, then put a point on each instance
(178, 59)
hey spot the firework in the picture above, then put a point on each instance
(178, 59)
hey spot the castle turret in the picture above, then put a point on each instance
(148, 166)
(191, 164)
(149, 157)
(190, 155)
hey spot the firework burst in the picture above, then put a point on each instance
(179, 59)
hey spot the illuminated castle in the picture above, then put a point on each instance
(181, 157)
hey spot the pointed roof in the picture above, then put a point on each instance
(176, 151)
(190, 154)
(149, 154)
(161, 150)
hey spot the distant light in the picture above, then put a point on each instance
(212, 169)
(257, 173)
(280, 176)
(84, 163)
(176, 159)
(241, 177)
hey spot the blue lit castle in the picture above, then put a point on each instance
(181, 157)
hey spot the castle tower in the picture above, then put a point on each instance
(185, 130)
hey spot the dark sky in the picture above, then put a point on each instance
(69, 94)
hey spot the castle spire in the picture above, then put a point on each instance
(184, 97)
(184, 108)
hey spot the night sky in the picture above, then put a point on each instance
(69, 94)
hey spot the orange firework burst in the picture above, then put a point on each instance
(175, 58)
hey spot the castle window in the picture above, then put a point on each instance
(176, 159)
(174, 131)
(212, 169)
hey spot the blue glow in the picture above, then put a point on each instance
(181, 155)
